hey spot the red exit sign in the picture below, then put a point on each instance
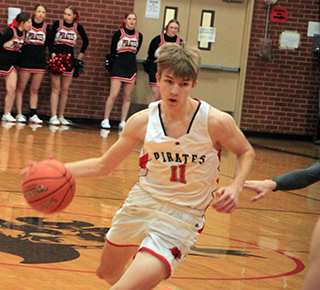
(279, 14)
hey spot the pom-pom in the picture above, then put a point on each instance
(78, 67)
(58, 64)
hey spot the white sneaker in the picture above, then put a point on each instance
(105, 124)
(54, 120)
(63, 121)
(121, 125)
(35, 119)
(8, 118)
(21, 118)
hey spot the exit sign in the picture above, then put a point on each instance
(279, 14)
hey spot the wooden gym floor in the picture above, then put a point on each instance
(263, 245)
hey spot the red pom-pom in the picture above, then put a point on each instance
(59, 63)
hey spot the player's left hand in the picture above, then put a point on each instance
(226, 200)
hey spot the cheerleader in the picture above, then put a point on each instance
(172, 29)
(10, 44)
(125, 44)
(33, 62)
(64, 35)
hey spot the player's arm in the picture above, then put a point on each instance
(295, 179)
(133, 131)
(225, 133)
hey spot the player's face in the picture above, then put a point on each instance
(39, 14)
(131, 21)
(173, 29)
(27, 25)
(68, 15)
(174, 91)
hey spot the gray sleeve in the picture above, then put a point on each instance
(298, 178)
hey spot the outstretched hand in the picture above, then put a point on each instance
(261, 187)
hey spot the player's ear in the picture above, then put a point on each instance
(194, 84)
(157, 78)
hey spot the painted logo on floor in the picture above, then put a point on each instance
(38, 241)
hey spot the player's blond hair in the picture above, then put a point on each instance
(184, 62)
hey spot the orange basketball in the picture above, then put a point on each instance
(48, 186)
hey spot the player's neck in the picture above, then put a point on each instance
(180, 113)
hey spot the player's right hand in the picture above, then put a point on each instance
(261, 187)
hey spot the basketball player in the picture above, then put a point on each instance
(295, 180)
(64, 36)
(126, 43)
(172, 28)
(10, 44)
(179, 172)
(33, 63)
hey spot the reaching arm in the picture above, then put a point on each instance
(225, 133)
(299, 178)
(296, 179)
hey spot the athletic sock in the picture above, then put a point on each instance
(33, 112)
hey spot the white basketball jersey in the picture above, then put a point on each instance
(183, 171)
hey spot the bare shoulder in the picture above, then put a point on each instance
(222, 127)
(219, 120)
(136, 126)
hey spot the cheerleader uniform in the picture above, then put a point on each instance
(33, 57)
(153, 53)
(11, 42)
(63, 41)
(125, 45)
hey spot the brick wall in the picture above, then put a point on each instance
(87, 93)
(281, 96)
